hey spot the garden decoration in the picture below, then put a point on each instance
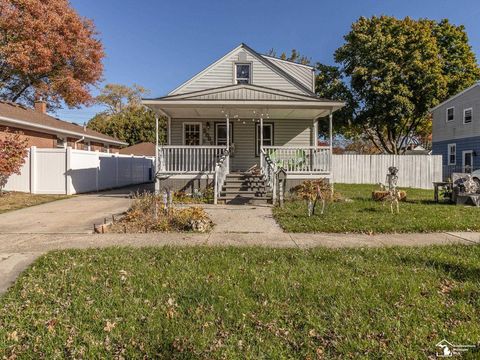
(465, 189)
(390, 193)
(312, 192)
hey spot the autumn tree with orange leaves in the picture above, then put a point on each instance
(47, 51)
(13, 150)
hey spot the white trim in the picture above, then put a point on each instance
(463, 158)
(191, 123)
(471, 116)
(58, 131)
(446, 114)
(204, 70)
(450, 153)
(455, 96)
(272, 104)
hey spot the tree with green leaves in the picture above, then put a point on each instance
(392, 71)
(294, 56)
(125, 117)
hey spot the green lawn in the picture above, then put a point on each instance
(363, 215)
(236, 303)
(10, 201)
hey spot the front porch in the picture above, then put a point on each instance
(247, 129)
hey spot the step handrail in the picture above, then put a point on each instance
(222, 169)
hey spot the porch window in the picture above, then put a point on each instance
(267, 136)
(221, 134)
(242, 73)
(192, 134)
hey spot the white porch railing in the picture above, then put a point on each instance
(222, 169)
(301, 159)
(269, 171)
(178, 159)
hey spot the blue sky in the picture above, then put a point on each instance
(161, 43)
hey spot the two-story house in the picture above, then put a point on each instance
(238, 122)
(456, 131)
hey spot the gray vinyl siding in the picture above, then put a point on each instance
(285, 133)
(223, 73)
(241, 94)
(456, 129)
(305, 75)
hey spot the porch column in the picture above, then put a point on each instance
(228, 142)
(261, 140)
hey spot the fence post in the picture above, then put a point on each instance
(116, 169)
(33, 170)
(68, 167)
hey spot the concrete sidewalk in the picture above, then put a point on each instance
(19, 250)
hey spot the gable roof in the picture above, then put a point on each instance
(455, 96)
(261, 58)
(242, 92)
(18, 116)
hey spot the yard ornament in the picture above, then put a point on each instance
(393, 196)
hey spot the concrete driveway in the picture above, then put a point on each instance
(75, 215)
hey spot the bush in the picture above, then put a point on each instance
(148, 214)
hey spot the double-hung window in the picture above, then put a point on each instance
(467, 115)
(243, 73)
(452, 154)
(450, 114)
(192, 134)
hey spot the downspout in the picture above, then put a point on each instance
(76, 142)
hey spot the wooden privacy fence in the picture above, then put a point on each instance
(68, 171)
(416, 171)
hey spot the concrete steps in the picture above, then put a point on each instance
(245, 188)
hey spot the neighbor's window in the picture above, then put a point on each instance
(243, 73)
(467, 115)
(61, 143)
(267, 137)
(450, 114)
(452, 154)
(192, 134)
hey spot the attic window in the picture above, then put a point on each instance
(242, 73)
(467, 115)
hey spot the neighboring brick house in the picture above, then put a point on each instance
(45, 131)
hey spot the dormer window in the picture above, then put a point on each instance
(243, 73)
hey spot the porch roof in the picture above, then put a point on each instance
(245, 101)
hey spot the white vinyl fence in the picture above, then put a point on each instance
(416, 171)
(68, 171)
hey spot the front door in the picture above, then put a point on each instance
(467, 161)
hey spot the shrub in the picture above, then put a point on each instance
(13, 150)
(148, 214)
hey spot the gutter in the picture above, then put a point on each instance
(76, 142)
(60, 131)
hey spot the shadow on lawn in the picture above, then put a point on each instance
(458, 272)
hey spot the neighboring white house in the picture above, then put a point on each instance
(244, 111)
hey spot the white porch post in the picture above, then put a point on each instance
(228, 143)
(261, 141)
